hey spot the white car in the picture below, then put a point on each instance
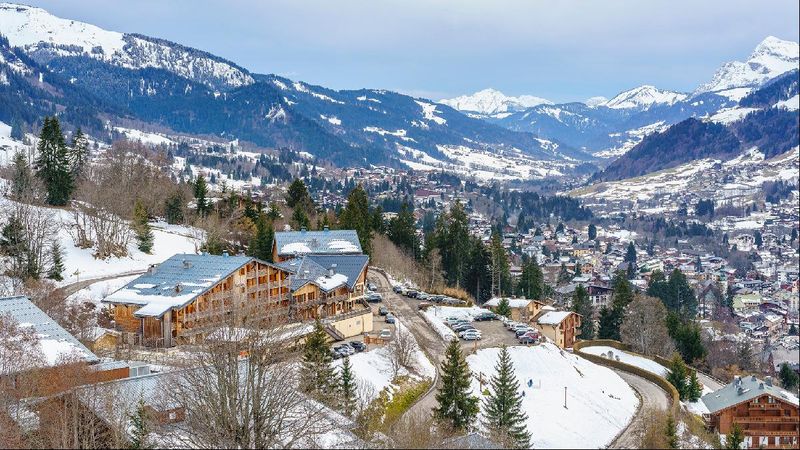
(385, 334)
(470, 331)
(471, 336)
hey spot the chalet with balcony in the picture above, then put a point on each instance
(561, 327)
(294, 244)
(180, 299)
(522, 310)
(767, 414)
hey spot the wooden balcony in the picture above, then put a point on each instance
(767, 419)
(785, 433)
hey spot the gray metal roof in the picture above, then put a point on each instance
(176, 282)
(330, 242)
(309, 268)
(54, 340)
(751, 387)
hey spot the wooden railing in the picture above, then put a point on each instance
(767, 419)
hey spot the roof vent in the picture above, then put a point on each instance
(740, 390)
(326, 228)
(737, 380)
(152, 269)
(186, 264)
(225, 254)
(331, 270)
(768, 380)
(178, 288)
(303, 229)
(305, 274)
(753, 378)
(761, 385)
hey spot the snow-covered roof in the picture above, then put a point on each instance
(332, 242)
(751, 387)
(316, 269)
(512, 302)
(56, 343)
(176, 282)
(553, 317)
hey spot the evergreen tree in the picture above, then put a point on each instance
(15, 244)
(582, 304)
(139, 427)
(503, 308)
(694, 390)
(200, 195)
(297, 195)
(592, 232)
(52, 163)
(735, 438)
(563, 275)
(759, 241)
(531, 284)
(789, 378)
(501, 276)
(17, 131)
(347, 388)
(318, 373)
(477, 277)
(78, 153)
(677, 375)
(608, 325)
(403, 230)
(356, 216)
(671, 432)
(504, 417)
(173, 208)
(261, 244)
(274, 212)
(56, 262)
(457, 407)
(300, 218)
(793, 330)
(21, 179)
(141, 227)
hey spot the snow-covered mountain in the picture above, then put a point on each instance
(643, 97)
(44, 36)
(491, 102)
(772, 57)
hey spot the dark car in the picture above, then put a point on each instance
(389, 318)
(485, 316)
(383, 310)
(374, 297)
(398, 289)
(436, 298)
(372, 287)
(335, 354)
(411, 294)
(358, 346)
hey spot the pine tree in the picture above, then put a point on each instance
(297, 194)
(173, 208)
(200, 194)
(356, 216)
(56, 262)
(78, 154)
(261, 244)
(789, 378)
(52, 163)
(21, 179)
(457, 407)
(672, 433)
(300, 218)
(694, 390)
(582, 304)
(139, 427)
(403, 230)
(677, 375)
(141, 227)
(347, 388)
(17, 132)
(592, 232)
(734, 439)
(503, 308)
(504, 417)
(274, 212)
(318, 373)
(607, 324)
(563, 275)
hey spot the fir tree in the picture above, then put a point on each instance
(503, 308)
(531, 284)
(141, 227)
(347, 388)
(261, 244)
(789, 378)
(78, 153)
(274, 213)
(297, 194)
(592, 232)
(671, 433)
(318, 373)
(504, 417)
(608, 326)
(56, 262)
(403, 230)
(563, 275)
(300, 218)
(17, 132)
(582, 304)
(356, 216)
(734, 439)
(21, 179)
(139, 427)
(457, 407)
(52, 163)
(173, 209)
(677, 375)
(694, 389)
(200, 194)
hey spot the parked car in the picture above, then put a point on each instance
(423, 296)
(385, 334)
(345, 350)
(522, 331)
(358, 346)
(466, 332)
(471, 337)
(398, 289)
(423, 305)
(374, 297)
(389, 318)
(372, 287)
(335, 354)
(411, 294)
(437, 298)
(485, 316)
(383, 310)
(529, 338)
(463, 327)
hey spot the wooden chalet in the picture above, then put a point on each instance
(767, 414)
(561, 327)
(294, 244)
(184, 297)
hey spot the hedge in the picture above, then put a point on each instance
(657, 380)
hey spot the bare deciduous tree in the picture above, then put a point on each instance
(644, 327)
(402, 350)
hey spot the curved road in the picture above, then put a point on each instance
(652, 397)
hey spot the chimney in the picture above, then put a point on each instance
(326, 228)
(739, 390)
(302, 229)
(178, 288)
(761, 385)
(225, 254)
(753, 378)
(768, 380)
(331, 270)
(737, 380)
(186, 264)
(152, 269)
(305, 274)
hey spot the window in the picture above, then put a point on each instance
(173, 415)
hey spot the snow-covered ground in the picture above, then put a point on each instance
(627, 358)
(373, 369)
(96, 292)
(599, 403)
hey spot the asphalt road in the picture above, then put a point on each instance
(652, 397)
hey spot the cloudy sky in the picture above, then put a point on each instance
(561, 50)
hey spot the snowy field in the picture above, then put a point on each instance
(373, 369)
(599, 403)
(96, 292)
(627, 358)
